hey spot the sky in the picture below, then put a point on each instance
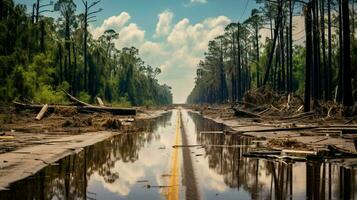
(170, 34)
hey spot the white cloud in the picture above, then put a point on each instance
(199, 1)
(130, 35)
(194, 2)
(164, 25)
(113, 22)
(178, 50)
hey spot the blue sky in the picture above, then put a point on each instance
(170, 34)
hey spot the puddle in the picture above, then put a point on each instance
(226, 174)
(140, 166)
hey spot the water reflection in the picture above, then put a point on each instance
(76, 177)
(249, 178)
(124, 166)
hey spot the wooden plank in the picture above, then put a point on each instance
(100, 102)
(211, 132)
(42, 112)
(6, 137)
(292, 151)
(277, 129)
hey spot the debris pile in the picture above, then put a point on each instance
(280, 120)
(76, 107)
(75, 118)
(286, 143)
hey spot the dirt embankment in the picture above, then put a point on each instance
(27, 145)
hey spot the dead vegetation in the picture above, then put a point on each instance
(281, 120)
(287, 143)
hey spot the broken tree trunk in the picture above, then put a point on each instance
(42, 112)
(100, 102)
(51, 108)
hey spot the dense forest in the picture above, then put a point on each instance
(321, 65)
(41, 56)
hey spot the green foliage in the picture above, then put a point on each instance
(122, 102)
(39, 59)
(84, 96)
(46, 95)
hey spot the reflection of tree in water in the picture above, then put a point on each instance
(267, 179)
(68, 180)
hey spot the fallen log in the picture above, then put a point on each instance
(305, 114)
(42, 112)
(245, 114)
(336, 151)
(75, 100)
(83, 109)
(273, 155)
(276, 129)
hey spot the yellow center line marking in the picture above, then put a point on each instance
(173, 193)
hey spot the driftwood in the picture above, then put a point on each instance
(299, 109)
(246, 114)
(277, 129)
(264, 111)
(85, 109)
(301, 115)
(42, 112)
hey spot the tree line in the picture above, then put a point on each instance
(40, 56)
(320, 65)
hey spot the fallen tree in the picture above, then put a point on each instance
(83, 108)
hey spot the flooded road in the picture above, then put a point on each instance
(144, 165)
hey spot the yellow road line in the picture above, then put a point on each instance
(173, 193)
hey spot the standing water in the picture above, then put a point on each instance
(145, 165)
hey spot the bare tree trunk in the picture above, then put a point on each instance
(324, 66)
(329, 66)
(346, 67)
(42, 37)
(37, 10)
(309, 57)
(316, 40)
(339, 91)
(60, 55)
(291, 46)
(74, 72)
(258, 53)
(85, 56)
(239, 82)
(68, 48)
(276, 34)
(282, 56)
(1, 9)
